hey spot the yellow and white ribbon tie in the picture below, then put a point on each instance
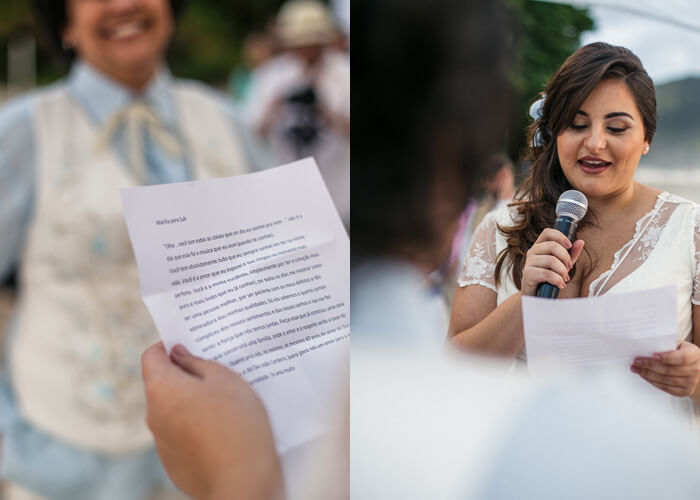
(138, 118)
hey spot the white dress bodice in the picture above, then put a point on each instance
(664, 251)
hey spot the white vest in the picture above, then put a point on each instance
(75, 358)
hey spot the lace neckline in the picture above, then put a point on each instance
(620, 255)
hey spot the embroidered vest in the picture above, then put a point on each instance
(75, 357)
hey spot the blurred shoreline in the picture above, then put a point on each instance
(683, 182)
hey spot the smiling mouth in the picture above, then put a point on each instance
(127, 30)
(593, 166)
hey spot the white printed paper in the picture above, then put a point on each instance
(253, 272)
(610, 330)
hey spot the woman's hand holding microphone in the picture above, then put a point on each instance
(549, 261)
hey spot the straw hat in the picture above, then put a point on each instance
(304, 22)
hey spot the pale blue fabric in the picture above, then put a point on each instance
(16, 179)
(30, 457)
(597, 437)
(592, 439)
(390, 303)
(58, 471)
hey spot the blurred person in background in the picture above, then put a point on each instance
(299, 101)
(258, 47)
(72, 407)
(497, 190)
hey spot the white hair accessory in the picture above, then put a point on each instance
(536, 108)
(536, 114)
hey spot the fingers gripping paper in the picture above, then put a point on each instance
(610, 330)
(252, 272)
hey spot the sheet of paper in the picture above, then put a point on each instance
(610, 330)
(253, 272)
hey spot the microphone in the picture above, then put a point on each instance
(571, 207)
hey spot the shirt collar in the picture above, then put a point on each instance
(102, 97)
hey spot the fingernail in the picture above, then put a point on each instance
(180, 351)
(567, 278)
(568, 244)
(634, 369)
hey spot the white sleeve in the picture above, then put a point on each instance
(696, 278)
(479, 267)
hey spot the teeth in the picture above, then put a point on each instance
(127, 30)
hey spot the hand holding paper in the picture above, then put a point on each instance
(610, 330)
(252, 272)
(676, 372)
(228, 411)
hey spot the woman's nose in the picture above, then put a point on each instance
(595, 140)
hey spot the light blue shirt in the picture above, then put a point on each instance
(391, 304)
(100, 98)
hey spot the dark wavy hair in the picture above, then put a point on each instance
(564, 95)
(52, 18)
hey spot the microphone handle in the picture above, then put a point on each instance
(567, 226)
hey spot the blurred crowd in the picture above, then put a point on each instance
(295, 90)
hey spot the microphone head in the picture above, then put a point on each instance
(572, 203)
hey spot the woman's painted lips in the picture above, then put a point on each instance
(593, 165)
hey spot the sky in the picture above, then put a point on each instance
(668, 51)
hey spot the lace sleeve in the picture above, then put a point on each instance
(696, 278)
(479, 267)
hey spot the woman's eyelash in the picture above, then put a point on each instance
(614, 130)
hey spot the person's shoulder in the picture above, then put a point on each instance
(200, 90)
(684, 213)
(201, 93)
(505, 214)
(679, 204)
(18, 110)
(501, 215)
(679, 200)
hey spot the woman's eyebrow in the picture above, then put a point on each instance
(619, 113)
(609, 115)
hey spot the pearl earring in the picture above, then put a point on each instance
(646, 149)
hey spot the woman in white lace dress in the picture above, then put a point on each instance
(597, 120)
